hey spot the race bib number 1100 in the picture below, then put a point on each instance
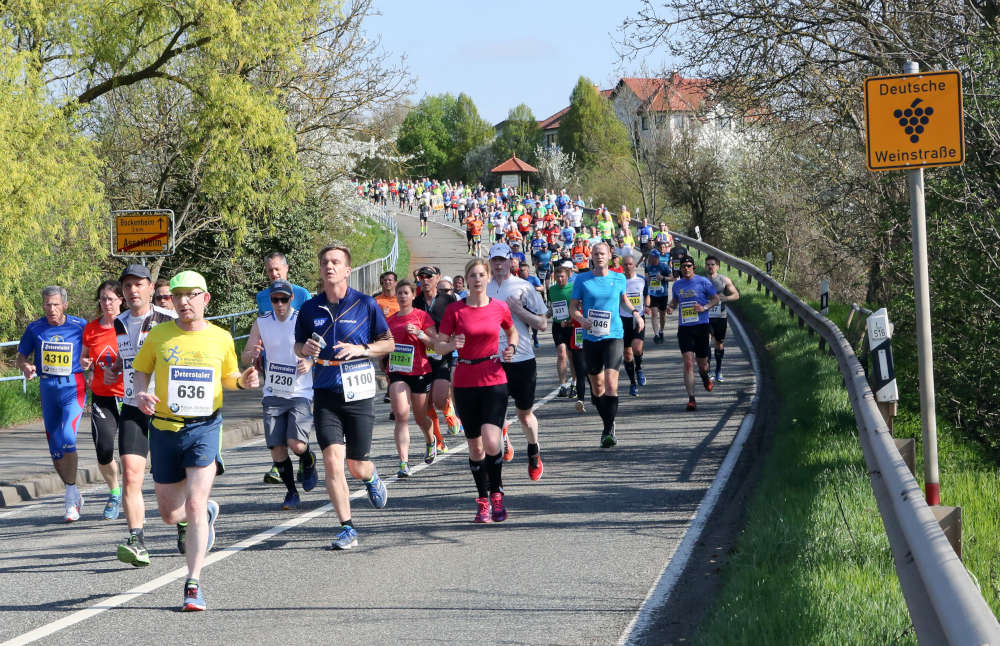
(358, 378)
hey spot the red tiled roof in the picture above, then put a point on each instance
(515, 165)
(674, 94)
(552, 123)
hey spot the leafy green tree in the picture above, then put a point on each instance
(440, 131)
(469, 131)
(590, 130)
(520, 136)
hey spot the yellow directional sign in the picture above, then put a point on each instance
(914, 120)
(142, 232)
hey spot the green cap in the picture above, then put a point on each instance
(188, 280)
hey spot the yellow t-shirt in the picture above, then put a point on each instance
(188, 368)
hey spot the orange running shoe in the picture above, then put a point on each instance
(508, 448)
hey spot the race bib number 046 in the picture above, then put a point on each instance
(57, 358)
(191, 391)
(358, 378)
(600, 322)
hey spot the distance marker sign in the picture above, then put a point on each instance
(914, 121)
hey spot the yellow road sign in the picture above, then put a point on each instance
(142, 233)
(914, 120)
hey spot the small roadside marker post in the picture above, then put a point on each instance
(769, 262)
(824, 297)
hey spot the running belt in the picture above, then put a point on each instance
(473, 362)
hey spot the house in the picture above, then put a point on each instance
(651, 107)
(550, 126)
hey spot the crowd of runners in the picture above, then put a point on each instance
(460, 346)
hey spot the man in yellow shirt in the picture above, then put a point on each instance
(192, 361)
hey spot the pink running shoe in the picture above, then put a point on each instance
(499, 511)
(483, 515)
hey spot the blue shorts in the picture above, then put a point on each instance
(63, 399)
(198, 444)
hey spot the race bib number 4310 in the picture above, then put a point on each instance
(191, 391)
(57, 358)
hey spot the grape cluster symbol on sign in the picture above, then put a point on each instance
(914, 118)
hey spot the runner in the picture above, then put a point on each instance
(425, 209)
(632, 339)
(560, 294)
(524, 273)
(718, 316)
(276, 268)
(161, 294)
(287, 391)
(657, 277)
(131, 329)
(580, 253)
(410, 374)
(386, 299)
(528, 311)
(645, 238)
(193, 361)
(460, 290)
(596, 296)
(100, 347)
(55, 341)
(434, 302)
(695, 295)
(471, 327)
(342, 328)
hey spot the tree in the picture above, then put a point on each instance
(440, 131)
(590, 130)
(556, 168)
(520, 136)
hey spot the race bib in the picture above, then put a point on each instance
(358, 378)
(578, 337)
(401, 358)
(655, 286)
(600, 322)
(717, 311)
(281, 379)
(560, 310)
(635, 299)
(191, 391)
(688, 313)
(578, 258)
(57, 358)
(644, 239)
(128, 379)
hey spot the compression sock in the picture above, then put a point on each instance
(494, 467)
(347, 523)
(598, 403)
(719, 353)
(287, 474)
(611, 406)
(307, 460)
(117, 491)
(435, 422)
(137, 532)
(479, 474)
(630, 371)
(532, 450)
(637, 358)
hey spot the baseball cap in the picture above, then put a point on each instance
(188, 279)
(280, 287)
(685, 258)
(500, 250)
(427, 270)
(653, 253)
(137, 270)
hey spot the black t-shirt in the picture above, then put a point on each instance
(437, 308)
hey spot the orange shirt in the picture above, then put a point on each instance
(476, 227)
(103, 345)
(389, 304)
(580, 255)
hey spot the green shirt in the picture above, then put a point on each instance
(559, 297)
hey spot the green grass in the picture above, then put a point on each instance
(403, 261)
(801, 574)
(17, 407)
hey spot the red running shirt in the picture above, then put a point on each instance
(103, 344)
(397, 325)
(481, 327)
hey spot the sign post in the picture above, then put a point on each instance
(142, 232)
(913, 121)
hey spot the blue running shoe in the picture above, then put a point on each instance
(378, 495)
(291, 501)
(633, 390)
(193, 598)
(113, 508)
(213, 513)
(346, 539)
(310, 476)
(719, 378)
(640, 377)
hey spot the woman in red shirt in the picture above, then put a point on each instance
(470, 326)
(410, 374)
(100, 346)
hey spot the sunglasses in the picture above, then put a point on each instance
(162, 297)
(280, 299)
(687, 264)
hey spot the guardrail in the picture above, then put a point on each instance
(944, 602)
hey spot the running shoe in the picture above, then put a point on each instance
(113, 507)
(404, 470)
(572, 391)
(430, 454)
(608, 439)
(193, 598)
(535, 467)
(74, 504)
(454, 426)
(706, 380)
(499, 511)
(508, 448)
(213, 513)
(719, 378)
(310, 475)
(692, 405)
(640, 377)
(291, 501)
(633, 390)
(563, 391)
(580, 406)
(385, 399)
(378, 495)
(133, 552)
(484, 513)
(443, 448)
(272, 476)
(392, 416)
(182, 531)
(346, 539)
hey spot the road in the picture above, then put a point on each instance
(572, 565)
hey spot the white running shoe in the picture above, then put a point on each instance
(73, 508)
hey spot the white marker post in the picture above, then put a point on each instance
(769, 261)
(824, 297)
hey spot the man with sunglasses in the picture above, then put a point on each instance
(193, 361)
(161, 294)
(131, 329)
(693, 296)
(288, 392)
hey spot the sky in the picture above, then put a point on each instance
(510, 52)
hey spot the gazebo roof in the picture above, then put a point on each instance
(515, 165)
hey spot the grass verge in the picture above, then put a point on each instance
(17, 407)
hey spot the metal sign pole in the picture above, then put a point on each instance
(925, 355)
